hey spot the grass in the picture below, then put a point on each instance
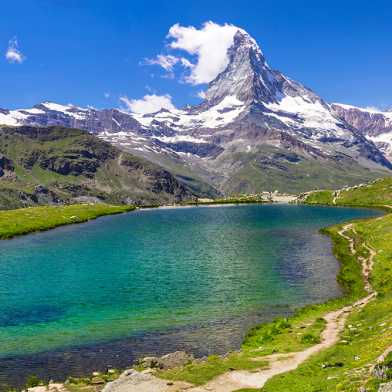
(201, 371)
(320, 197)
(28, 220)
(285, 335)
(377, 193)
(89, 384)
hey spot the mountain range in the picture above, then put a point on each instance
(255, 130)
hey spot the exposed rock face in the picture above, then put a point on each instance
(6, 165)
(251, 115)
(375, 125)
(43, 195)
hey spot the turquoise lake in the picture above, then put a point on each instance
(84, 297)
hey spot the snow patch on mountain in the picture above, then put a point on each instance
(372, 110)
(310, 114)
(180, 138)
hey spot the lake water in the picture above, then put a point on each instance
(96, 295)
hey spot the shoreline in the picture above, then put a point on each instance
(301, 309)
(111, 210)
(326, 231)
(335, 304)
(335, 312)
(32, 220)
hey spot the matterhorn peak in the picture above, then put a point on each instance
(247, 76)
(243, 39)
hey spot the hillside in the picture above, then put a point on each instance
(377, 193)
(61, 165)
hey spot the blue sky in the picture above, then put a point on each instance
(93, 52)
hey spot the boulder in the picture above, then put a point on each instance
(386, 387)
(176, 359)
(149, 362)
(168, 361)
(134, 381)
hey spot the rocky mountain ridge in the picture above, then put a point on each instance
(375, 124)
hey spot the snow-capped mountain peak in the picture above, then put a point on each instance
(247, 75)
(249, 110)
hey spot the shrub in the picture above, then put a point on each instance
(309, 338)
(33, 381)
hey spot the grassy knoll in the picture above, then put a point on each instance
(27, 220)
(377, 193)
(201, 371)
(368, 332)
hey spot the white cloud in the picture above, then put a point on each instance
(167, 62)
(209, 44)
(13, 54)
(149, 103)
(186, 63)
(106, 95)
(201, 94)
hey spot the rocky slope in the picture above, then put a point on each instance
(56, 165)
(374, 124)
(256, 130)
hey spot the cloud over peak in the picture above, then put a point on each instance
(148, 104)
(13, 54)
(209, 44)
(207, 48)
(200, 52)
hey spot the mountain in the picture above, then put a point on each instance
(374, 124)
(256, 130)
(56, 165)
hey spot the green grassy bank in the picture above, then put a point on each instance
(28, 220)
(376, 193)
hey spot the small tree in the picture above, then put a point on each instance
(33, 381)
